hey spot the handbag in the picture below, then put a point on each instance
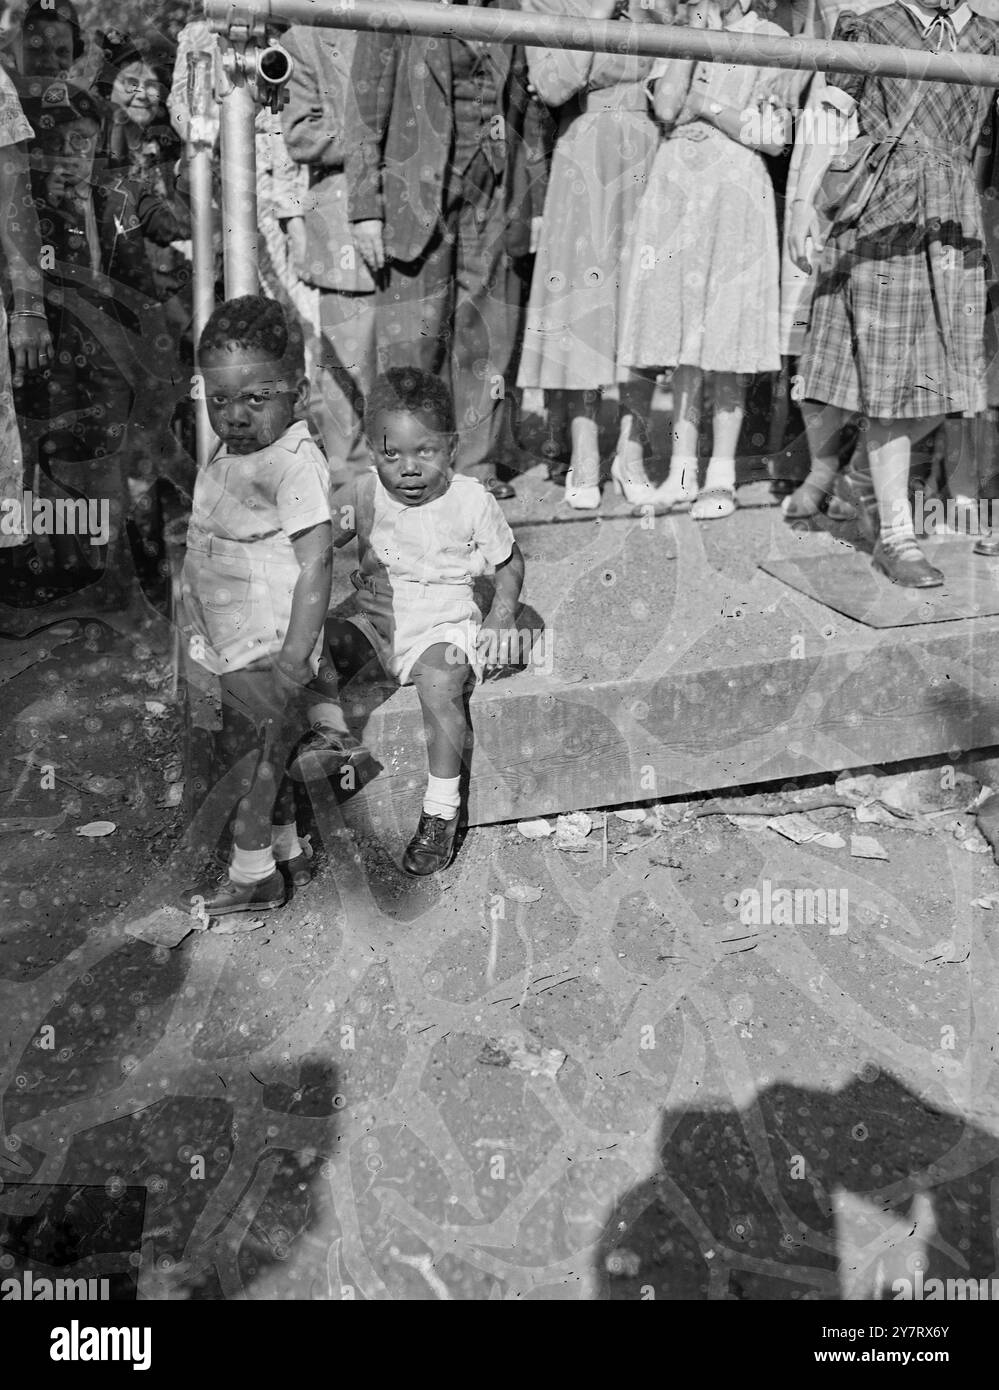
(851, 178)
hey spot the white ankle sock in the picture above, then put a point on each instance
(327, 715)
(897, 522)
(250, 865)
(721, 473)
(285, 843)
(442, 797)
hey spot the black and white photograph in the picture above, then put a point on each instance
(627, 931)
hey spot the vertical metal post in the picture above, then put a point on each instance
(239, 183)
(202, 129)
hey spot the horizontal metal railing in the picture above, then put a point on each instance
(606, 36)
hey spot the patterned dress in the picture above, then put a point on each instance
(896, 328)
(605, 144)
(703, 286)
(13, 129)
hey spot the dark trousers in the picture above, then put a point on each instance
(457, 312)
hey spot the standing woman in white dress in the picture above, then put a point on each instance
(604, 147)
(703, 285)
(26, 333)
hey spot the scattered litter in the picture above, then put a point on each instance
(20, 825)
(103, 786)
(630, 813)
(96, 829)
(802, 831)
(571, 831)
(987, 819)
(522, 892)
(866, 847)
(989, 901)
(626, 847)
(974, 842)
(747, 822)
(173, 796)
(235, 924)
(769, 803)
(166, 926)
(512, 1050)
(156, 708)
(534, 829)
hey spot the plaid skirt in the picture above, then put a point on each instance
(897, 317)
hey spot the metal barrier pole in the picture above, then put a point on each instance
(610, 36)
(202, 128)
(239, 180)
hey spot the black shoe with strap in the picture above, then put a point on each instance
(902, 561)
(432, 847)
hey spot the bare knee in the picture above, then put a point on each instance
(442, 675)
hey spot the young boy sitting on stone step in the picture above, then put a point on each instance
(424, 534)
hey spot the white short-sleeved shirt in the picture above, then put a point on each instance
(451, 540)
(241, 571)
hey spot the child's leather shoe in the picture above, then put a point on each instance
(298, 871)
(247, 897)
(323, 752)
(432, 847)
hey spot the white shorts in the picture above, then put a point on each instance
(423, 616)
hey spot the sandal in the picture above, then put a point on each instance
(806, 501)
(713, 504)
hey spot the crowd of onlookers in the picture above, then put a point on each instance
(511, 220)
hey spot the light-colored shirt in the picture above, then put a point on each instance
(450, 540)
(241, 571)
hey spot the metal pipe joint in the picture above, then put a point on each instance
(265, 70)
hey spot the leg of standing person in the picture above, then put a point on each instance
(487, 311)
(824, 425)
(582, 483)
(628, 467)
(346, 371)
(717, 497)
(414, 308)
(681, 484)
(254, 729)
(897, 554)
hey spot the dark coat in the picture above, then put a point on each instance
(313, 123)
(400, 134)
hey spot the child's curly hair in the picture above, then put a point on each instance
(257, 325)
(413, 392)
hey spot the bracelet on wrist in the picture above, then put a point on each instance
(28, 314)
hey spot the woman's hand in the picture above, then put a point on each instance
(802, 231)
(30, 345)
(370, 243)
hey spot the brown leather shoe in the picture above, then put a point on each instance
(904, 563)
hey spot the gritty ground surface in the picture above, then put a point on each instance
(547, 1073)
